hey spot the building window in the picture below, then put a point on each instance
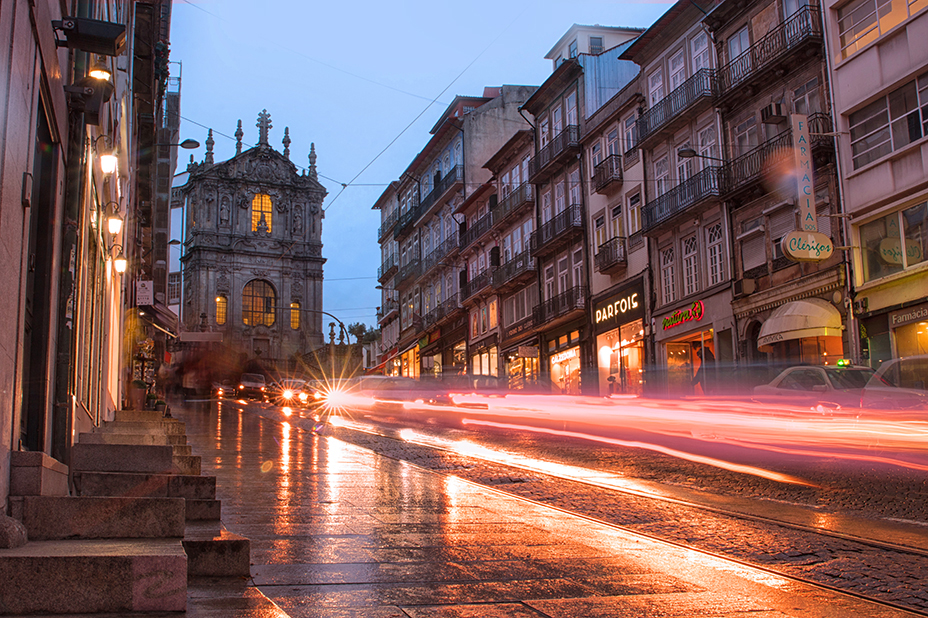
(690, 266)
(677, 70)
(599, 231)
(700, 47)
(714, 253)
(596, 45)
(890, 123)
(753, 252)
(895, 242)
(174, 287)
(295, 315)
(261, 212)
(572, 49)
(596, 154)
(745, 136)
(806, 99)
(655, 87)
(661, 176)
(612, 142)
(667, 275)
(222, 309)
(617, 221)
(782, 222)
(258, 303)
(572, 109)
(631, 132)
(708, 147)
(864, 21)
(634, 213)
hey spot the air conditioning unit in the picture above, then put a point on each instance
(773, 114)
(744, 287)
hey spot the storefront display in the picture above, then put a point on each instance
(910, 330)
(618, 320)
(565, 371)
(685, 357)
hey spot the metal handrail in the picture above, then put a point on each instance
(566, 220)
(568, 137)
(799, 27)
(703, 83)
(518, 264)
(607, 171)
(443, 185)
(523, 194)
(691, 191)
(480, 227)
(475, 285)
(611, 253)
(574, 298)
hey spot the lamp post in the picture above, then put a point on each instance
(690, 153)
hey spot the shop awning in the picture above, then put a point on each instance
(811, 317)
(160, 317)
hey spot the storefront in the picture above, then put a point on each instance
(484, 359)
(895, 334)
(430, 354)
(521, 366)
(565, 359)
(409, 362)
(694, 340)
(618, 323)
(803, 331)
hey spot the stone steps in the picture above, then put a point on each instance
(94, 576)
(191, 487)
(215, 552)
(157, 439)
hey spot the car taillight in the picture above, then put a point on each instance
(262, 388)
(241, 386)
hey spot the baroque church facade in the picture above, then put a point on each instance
(252, 256)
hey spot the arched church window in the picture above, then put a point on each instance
(259, 302)
(261, 211)
(222, 309)
(295, 315)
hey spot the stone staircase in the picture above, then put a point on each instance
(141, 520)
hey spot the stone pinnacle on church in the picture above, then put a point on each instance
(239, 134)
(264, 125)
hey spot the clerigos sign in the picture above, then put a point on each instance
(806, 244)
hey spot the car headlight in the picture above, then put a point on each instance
(262, 389)
(288, 394)
(241, 387)
(303, 397)
(219, 392)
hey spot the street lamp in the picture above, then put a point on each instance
(114, 221)
(120, 263)
(687, 152)
(107, 154)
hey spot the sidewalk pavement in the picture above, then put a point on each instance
(338, 531)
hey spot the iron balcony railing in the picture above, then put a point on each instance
(567, 141)
(439, 253)
(611, 254)
(563, 225)
(670, 110)
(691, 191)
(390, 308)
(475, 285)
(480, 227)
(562, 304)
(524, 194)
(386, 269)
(454, 175)
(387, 224)
(803, 25)
(608, 171)
(751, 167)
(440, 312)
(407, 219)
(411, 270)
(518, 265)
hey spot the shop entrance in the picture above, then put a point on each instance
(691, 364)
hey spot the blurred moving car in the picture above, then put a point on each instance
(899, 384)
(295, 392)
(223, 389)
(832, 386)
(252, 386)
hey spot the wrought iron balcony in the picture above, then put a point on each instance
(750, 168)
(692, 191)
(611, 255)
(411, 270)
(387, 224)
(476, 284)
(406, 220)
(523, 195)
(386, 269)
(518, 269)
(607, 173)
(480, 227)
(561, 146)
(551, 236)
(804, 27)
(678, 107)
(435, 258)
(390, 309)
(440, 313)
(561, 305)
(454, 176)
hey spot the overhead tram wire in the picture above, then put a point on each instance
(433, 101)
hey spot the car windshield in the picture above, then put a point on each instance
(846, 378)
(252, 377)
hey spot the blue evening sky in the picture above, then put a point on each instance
(358, 79)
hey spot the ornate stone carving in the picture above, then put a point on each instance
(222, 284)
(224, 210)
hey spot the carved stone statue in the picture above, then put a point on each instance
(297, 221)
(224, 211)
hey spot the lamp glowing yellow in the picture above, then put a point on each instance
(120, 263)
(108, 163)
(114, 224)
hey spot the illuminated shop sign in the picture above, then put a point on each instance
(625, 306)
(693, 313)
(566, 355)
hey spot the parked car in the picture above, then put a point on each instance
(899, 384)
(223, 389)
(252, 386)
(831, 386)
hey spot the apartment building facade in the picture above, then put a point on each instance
(877, 57)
